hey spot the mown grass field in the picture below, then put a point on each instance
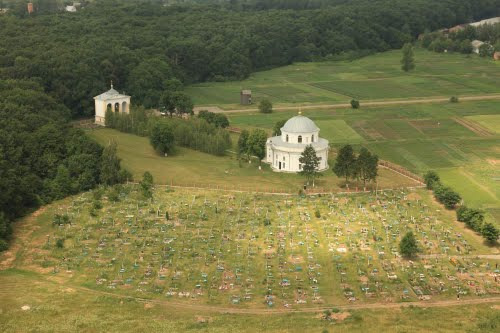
(459, 140)
(375, 77)
(124, 267)
(193, 168)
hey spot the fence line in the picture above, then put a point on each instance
(278, 191)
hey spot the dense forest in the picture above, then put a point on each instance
(144, 45)
(52, 63)
(42, 157)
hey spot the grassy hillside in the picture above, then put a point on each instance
(374, 77)
(131, 266)
(190, 167)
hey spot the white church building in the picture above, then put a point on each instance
(111, 100)
(283, 152)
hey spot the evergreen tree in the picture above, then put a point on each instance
(310, 163)
(110, 165)
(408, 245)
(408, 61)
(344, 164)
(147, 185)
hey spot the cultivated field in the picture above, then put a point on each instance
(377, 77)
(459, 140)
(205, 252)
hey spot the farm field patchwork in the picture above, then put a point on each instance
(450, 138)
(243, 250)
(375, 77)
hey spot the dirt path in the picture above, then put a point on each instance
(365, 103)
(22, 232)
(275, 311)
(473, 256)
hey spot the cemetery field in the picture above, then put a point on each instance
(193, 168)
(84, 311)
(204, 250)
(376, 77)
(458, 140)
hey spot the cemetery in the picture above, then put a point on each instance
(252, 250)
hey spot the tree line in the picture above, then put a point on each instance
(42, 157)
(461, 40)
(167, 132)
(473, 218)
(147, 48)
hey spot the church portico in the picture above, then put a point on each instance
(110, 100)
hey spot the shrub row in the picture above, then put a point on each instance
(473, 218)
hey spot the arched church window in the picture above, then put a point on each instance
(287, 138)
(312, 138)
(300, 138)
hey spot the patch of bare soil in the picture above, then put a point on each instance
(414, 196)
(22, 232)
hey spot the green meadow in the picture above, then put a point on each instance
(376, 77)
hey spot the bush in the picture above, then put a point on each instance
(3, 245)
(60, 219)
(431, 178)
(446, 196)
(490, 233)
(60, 243)
(408, 245)
(317, 213)
(265, 106)
(454, 99)
(355, 104)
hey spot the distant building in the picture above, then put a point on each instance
(496, 56)
(30, 8)
(110, 100)
(476, 44)
(246, 97)
(71, 9)
(492, 20)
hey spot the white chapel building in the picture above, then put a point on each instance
(112, 100)
(283, 152)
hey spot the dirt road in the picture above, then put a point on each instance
(366, 104)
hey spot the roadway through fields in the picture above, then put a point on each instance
(368, 103)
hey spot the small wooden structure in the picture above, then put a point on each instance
(246, 97)
(496, 56)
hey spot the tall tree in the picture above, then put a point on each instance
(257, 144)
(277, 127)
(344, 163)
(408, 61)
(243, 144)
(162, 138)
(110, 165)
(310, 163)
(366, 166)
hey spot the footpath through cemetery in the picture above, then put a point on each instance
(256, 250)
